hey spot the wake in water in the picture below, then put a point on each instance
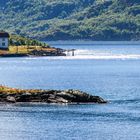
(129, 101)
(98, 54)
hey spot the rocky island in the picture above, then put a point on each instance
(12, 95)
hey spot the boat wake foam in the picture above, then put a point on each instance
(95, 54)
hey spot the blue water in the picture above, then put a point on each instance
(108, 70)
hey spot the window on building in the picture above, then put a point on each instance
(3, 44)
(3, 39)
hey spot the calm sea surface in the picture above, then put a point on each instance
(105, 69)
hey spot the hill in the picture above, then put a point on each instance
(72, 20)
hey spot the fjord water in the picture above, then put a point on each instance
(110, 70)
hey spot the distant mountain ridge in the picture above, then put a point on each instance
(72, 19)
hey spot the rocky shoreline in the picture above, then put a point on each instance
(35, 53)
(11, 95)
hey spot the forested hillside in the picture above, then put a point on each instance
(72, 19)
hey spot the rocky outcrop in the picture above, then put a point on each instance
(56, 52)
(34, 53)
(48, 96)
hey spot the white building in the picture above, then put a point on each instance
(4, 40)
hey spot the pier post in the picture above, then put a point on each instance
(70, 52)
(73, 52)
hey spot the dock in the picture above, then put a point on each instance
(70, 52)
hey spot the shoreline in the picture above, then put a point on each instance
(26, 55)
(35, 53)
(71, 42)
(43, 103)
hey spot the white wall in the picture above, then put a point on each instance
(4, 43)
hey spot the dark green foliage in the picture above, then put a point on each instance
(21, 41)
(72, 19)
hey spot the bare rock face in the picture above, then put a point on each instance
(57, 52)
(11, 99)
(51, 96)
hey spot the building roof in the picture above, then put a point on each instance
(4, 34)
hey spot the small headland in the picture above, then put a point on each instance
(22, 51)
(13, 95)
(21, 46)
